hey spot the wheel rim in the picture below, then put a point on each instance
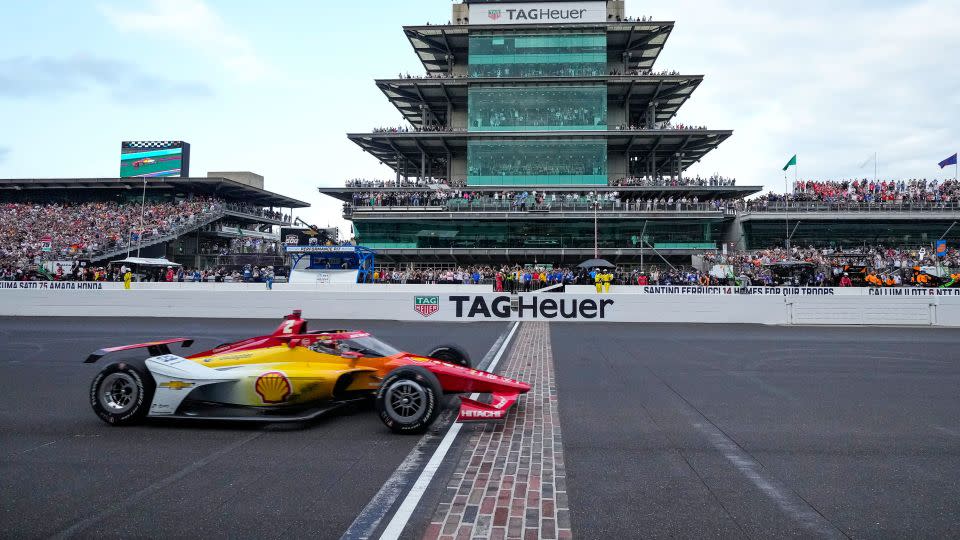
(406, 401)
(119, 393)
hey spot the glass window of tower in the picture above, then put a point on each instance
(538, 55)
(467, 233)
(537, 108)
(536, 162)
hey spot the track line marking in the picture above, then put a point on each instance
(790, 502)
(372, 515)
(83, 524)
(402, 516)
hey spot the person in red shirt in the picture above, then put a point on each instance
(642, 280)
(169, 277)
(499, 282)
(845, 281)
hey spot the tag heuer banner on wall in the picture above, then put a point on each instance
(538, 13)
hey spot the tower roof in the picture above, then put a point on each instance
(643, 41)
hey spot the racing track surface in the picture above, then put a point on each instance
(764, 432)
(64, 472)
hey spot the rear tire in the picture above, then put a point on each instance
(451, 354)
(408, 400)
(121, 393)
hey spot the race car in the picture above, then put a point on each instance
(144, 161)
(295, 375)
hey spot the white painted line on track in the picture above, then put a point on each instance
(410, 502)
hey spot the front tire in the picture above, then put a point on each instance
(408, 400)
(121, 393)
(451, 354)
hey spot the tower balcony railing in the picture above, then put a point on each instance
(876, 207)
(545, 207)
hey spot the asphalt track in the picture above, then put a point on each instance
(675, 431)
(669, 431)
(64, 472)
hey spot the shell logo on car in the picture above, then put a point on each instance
(273, 387)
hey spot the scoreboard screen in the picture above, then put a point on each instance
(154, 158)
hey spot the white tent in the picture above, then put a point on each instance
(145, 261)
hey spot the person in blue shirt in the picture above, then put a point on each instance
(196, 276)
(526, 281)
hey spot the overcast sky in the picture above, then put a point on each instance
(272, 87)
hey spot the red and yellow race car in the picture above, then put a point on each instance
(295, 375)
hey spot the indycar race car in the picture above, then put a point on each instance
(295, 375)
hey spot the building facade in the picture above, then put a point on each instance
(538, 132)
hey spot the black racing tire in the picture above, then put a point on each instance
(121, 393)
(452, 354)
(408, 400)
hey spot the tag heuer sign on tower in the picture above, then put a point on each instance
(426, 305)
(538, 13)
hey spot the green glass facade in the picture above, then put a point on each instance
(543, 234)
(537, 108)
(536, 162)
(848, 233)
(538, 55)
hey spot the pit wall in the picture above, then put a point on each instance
(467, 303)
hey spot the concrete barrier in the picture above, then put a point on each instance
(473, 303)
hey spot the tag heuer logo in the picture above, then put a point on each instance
(494, 14)
(426, 305)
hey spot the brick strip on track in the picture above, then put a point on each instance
(510, 481)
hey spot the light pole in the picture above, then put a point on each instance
(596, 250)
(143, 203)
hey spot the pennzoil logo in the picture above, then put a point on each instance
(426, 305)
(273, 387)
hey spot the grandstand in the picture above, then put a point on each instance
(227, 220)
(537, 141)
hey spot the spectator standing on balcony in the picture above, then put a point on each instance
(169, 276)
(127, 277)
(845, 281)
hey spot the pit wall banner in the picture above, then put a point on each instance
(538, 13)
(447, 304)
(766, 291)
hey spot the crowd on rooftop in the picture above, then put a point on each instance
(865, 191)
(414, 129)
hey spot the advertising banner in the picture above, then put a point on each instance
(539, 13)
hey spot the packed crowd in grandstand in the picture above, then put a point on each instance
(521, 201)
(87, 229)
(876, 266)
(32, 232)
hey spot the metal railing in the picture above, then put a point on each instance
(257, 213)
(859, 207)
(462, 205)
(122, 247)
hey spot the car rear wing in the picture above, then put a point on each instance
(155, 348)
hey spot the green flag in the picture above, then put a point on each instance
(791, 163)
